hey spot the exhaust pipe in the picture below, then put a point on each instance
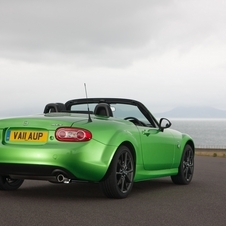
(62, 179)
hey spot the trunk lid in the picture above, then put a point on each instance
(37, 129)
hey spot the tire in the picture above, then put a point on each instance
(6, 183)
(186, 168)
(119, 180)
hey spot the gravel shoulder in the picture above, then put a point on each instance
(214, 152)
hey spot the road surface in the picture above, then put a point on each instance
(157, 202)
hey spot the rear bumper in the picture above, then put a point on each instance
(39, 172)
(85, 161)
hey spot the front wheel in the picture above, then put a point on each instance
(119, 180)
(186, 168)
(7, 183)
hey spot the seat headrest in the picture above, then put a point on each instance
(54, 107)
(103, 109)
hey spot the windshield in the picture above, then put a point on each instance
(119, 110)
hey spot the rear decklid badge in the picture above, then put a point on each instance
(25, 123)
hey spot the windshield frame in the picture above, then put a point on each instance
(152, 122)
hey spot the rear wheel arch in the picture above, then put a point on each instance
(118, 181)
(132, 150)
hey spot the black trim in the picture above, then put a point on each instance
(54, 107)
(27, 170)
(109, 101)
(103, 109)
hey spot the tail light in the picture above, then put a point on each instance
(69, 134)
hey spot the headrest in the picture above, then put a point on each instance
(103, 109)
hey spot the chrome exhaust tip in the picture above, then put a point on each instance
(62, 179)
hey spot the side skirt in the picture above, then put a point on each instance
(142, 174)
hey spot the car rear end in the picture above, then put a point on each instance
(54, 147)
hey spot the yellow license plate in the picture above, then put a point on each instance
(30, 136)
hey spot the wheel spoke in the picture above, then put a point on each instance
(124, 173)
(191, 168)
(119, 182)
(186, 173)
(125, 161)
(188, 165)
(130, 171)
(123, 185)
(128, 179)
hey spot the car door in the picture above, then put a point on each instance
(158, 148)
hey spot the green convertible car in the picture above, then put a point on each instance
(113, 141)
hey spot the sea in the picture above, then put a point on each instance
(206, 133)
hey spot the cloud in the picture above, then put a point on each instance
(163, 53)
(102, 33)
(73, 27)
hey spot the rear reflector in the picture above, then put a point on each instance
(69, 134)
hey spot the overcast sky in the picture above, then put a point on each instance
(164, 53)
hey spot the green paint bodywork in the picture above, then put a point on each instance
(156, 153)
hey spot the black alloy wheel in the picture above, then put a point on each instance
(186, 168)
(119, 179)
(7, 183)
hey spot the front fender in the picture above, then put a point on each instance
(185, 139)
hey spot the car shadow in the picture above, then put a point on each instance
(47, 190)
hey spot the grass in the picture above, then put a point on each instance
(211, 152)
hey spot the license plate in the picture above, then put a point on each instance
(26, 136)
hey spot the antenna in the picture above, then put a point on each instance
(89, 118)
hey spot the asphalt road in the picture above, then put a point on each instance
(156, 202)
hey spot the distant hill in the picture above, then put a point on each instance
(193, 112)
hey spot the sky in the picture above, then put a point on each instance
(163, 53)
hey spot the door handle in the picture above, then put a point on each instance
(146, 132)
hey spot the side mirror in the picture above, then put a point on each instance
(164, 123)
